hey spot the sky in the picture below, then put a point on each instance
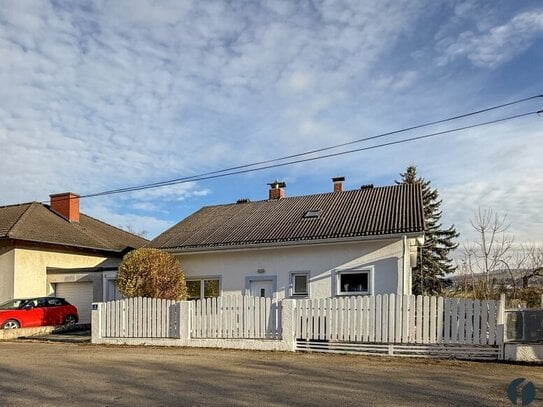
(102, 95)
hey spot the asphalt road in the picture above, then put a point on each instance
(62, 374)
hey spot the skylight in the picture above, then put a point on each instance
(312, 213)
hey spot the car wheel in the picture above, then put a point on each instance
(11, 324)
(70, 320)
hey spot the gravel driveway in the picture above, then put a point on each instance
(53, 374)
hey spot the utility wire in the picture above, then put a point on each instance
(227, 170)
(243, 169)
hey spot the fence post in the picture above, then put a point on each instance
(184, 316)
(96, 321)
(500, 318)
(289, 324)
(500, 326)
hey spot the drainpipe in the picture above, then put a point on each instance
(405, 266)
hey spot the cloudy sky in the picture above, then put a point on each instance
(108, 94)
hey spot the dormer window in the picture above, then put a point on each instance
(312, 213)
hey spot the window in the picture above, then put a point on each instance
(52, 302)
(299, 282)
(354, 282)
(41, 302)
(203, 288)
(312, 213)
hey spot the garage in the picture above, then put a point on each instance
(80, 295)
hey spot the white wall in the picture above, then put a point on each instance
(320, 260)
(30, 276)
(7, 260)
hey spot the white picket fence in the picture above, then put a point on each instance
(236, 316)
(399, 319)
(139, 318)
(382, 324)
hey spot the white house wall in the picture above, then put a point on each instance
(30, 276)
(7, 260)
(321, 260)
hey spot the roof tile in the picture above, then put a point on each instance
(36, 222)
(365, 212)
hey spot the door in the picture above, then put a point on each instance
(262, 288)
(112, 291)
(55, 311)
(80, 296)
(33, 314)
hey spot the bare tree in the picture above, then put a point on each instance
(528, 262)
(488, 253)
(130, 229)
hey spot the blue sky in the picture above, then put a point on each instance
(108, 94)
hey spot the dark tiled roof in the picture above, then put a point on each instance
(36, 222)
(364, 212)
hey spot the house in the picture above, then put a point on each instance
(55, 249)
(324, 245)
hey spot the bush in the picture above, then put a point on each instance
(531, 296)
(148, 272)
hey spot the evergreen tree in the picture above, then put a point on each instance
(432, 258)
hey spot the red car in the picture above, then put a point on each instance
(42, 311)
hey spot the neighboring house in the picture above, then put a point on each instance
(325, 245)
(54, 249)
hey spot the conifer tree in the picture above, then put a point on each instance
(432, 258)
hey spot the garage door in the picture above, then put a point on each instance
(78, 294)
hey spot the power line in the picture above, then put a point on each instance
(226, 170)
(244, 170)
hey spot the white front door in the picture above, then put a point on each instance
(262, 288)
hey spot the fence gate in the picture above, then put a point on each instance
(140, 318)
(236, 316)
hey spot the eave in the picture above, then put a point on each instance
(289, 244)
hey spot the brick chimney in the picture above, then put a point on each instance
(338, 183)
(277, 190)
(67, 205)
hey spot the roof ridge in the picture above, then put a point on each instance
(18, 204)
(82, 229)
(24, 214)
(97, 220)
(38, 222)
(317, 194)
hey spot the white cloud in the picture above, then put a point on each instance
(397, 82)
(120, 93)
(495, 45)
(299, 81)
(108, 212)
(175, 192)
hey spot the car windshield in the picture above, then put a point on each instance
(13, 304)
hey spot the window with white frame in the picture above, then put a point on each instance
(354, 282)
(198, 288)
(299, 282)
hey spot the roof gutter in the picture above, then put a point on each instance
(274, 245)
(97, 269)
(52, 245)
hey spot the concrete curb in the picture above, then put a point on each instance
(9, 334)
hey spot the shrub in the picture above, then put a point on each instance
(149, 272)
(531, 296)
